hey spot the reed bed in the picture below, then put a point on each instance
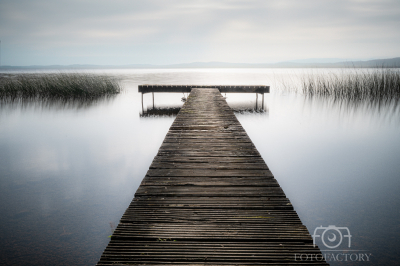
(60, 86)
(380, 85)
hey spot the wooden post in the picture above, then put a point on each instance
(256, 101)
(142, 104)
(263, 101)
(153, 99)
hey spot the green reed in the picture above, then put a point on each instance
(60, 86)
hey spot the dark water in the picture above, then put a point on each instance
(68, 172)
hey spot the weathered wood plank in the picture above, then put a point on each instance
(207, 172)
(210, 191)
(219, 160)
(187, 88)
(202, 145)
(211, 166)
(210, 181)
(189, 215)
(222, 203)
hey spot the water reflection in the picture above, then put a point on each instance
(239, 102)
(53, 104)
(69, 171)
(379, 111)
(66, 173)
(341, 158)
(167, 111)
(173, 111)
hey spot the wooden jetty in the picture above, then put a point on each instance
(209, 199)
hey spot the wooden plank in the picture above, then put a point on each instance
(210, 191)
(214, 145)
(214, 181)
(211, 166)
(218, 160)
(203, 202)
(206, 231)
(187, 88)
(207, 172)
(224, 216)
(208, 198)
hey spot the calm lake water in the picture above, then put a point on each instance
(69, 171)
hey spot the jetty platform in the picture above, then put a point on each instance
(209, 198)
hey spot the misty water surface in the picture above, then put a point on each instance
(68, 172)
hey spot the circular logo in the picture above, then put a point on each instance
(333, 236)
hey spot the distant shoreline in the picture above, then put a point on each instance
(377, 63)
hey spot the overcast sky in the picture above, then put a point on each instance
(116, 32)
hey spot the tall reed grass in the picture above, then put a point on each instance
(60, 86)
(378, 85)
